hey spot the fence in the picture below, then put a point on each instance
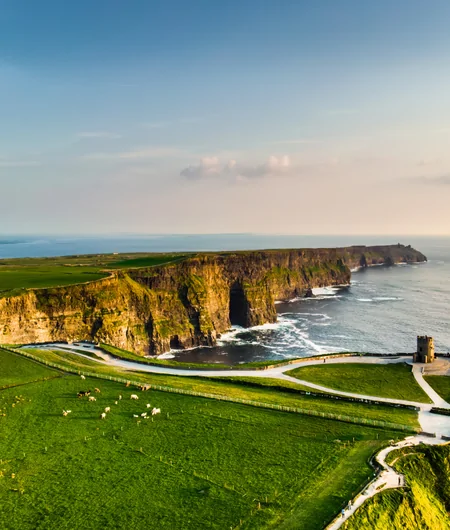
(259, 404)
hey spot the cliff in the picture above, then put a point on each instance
(184, 304)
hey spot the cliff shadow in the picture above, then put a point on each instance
(238, 310)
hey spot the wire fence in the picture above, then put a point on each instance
(218, 397)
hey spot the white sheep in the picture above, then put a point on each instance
(116, 402)
(148, 405)
(120, 396)
(82, 377)
(143, 415)
(97, 390)
(103, 415)
(134, 396)
(92, 398)
(135, 415)
(108, 409)
(155, 411)
(65, 412)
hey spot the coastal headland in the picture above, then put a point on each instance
(185, 302)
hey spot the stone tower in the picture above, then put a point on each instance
(425, 350)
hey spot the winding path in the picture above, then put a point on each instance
(388, 478)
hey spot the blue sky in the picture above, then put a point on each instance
(200, 116)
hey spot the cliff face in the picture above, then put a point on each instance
(184, 304)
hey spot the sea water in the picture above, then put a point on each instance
(382, 310)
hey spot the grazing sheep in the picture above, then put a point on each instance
(103, 415)
(116, 402)
(134, 396)
(120, 396)
(82, 377)
(92, 398)
(97, 390)
(143, 415)
(155, 411)
(135, 415)
(148, 405)
(65, 412)
(108, 409)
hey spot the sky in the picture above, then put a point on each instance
(200, 116)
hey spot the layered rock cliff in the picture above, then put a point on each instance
(184, 304)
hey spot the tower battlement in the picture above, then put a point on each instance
(425, 349)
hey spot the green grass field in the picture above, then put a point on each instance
(390, 381)
(26, 273)
(422, 506)
(272, 391)
(440, 383)
(200, 464)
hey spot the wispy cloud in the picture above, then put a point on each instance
(298, 141)
(437, 180)
(156, 125)
(140, 153)
(211, 167)
(18, 163)
(340, 112)
(98, 134)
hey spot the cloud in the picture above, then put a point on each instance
(439, 180)
(19, 163)
(137, 154)
(294, 142)
(211, 167)
(98, 134)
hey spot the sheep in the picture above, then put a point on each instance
(148, 405)
(82, 377)
(143, 415)
(116, 402)
(155, 411)
(103, 415)
(134, 396)
(120, 396)
(65, 412)
(108, 409)
(92, 398)
(97, 390)
(135, 415)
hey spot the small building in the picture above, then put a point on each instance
(425, 350)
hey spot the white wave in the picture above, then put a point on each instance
(364, 299)
(167, 355)
(387, 298)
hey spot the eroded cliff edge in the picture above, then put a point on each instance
(185, 304)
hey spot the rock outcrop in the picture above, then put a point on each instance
(184, 304)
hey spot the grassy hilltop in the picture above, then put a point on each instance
(423, 505)
(36, 273)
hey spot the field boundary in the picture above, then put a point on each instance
(218, 397)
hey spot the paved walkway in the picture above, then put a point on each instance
(388, 478)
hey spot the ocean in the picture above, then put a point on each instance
(383, 310)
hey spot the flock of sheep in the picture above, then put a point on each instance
(86, 393)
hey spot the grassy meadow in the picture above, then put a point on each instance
(25, 273)
(382, 380)
(201, 463)
(441, 384)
